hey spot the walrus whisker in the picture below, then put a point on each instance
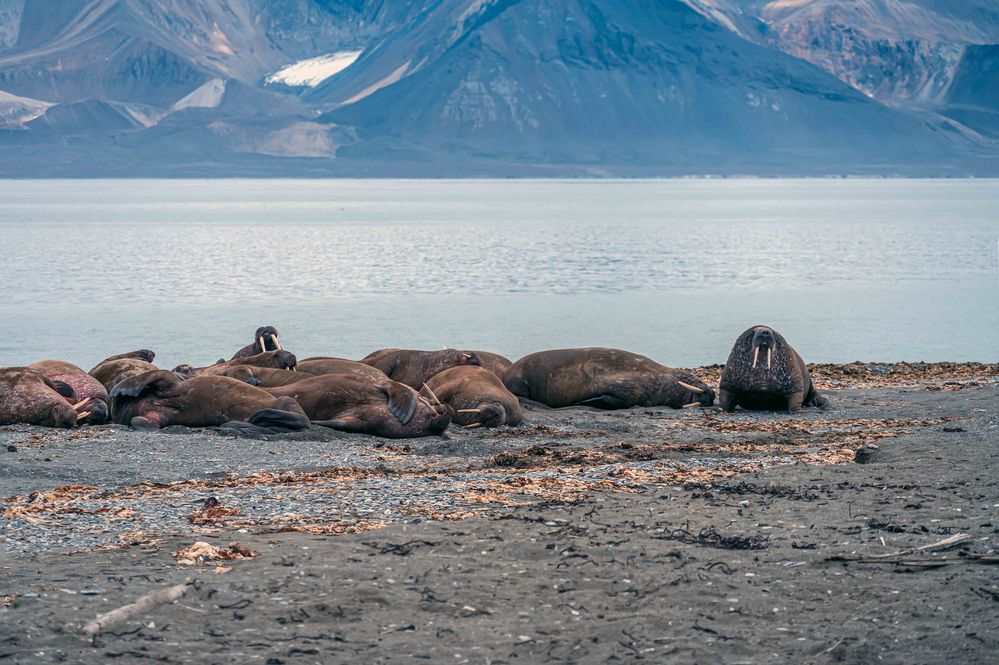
(691, 405)
(769, 353)
(469, 411)
(756, 355)
(693, 389)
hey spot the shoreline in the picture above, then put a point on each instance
(581, 536)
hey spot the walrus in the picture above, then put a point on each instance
(160, 398)
(603, 378)
(476, 397)
(265, 339)
(414, 368)
(765, 372)
(275, 359)
(383, 408)
(86, 389)
(340, 366)
(112, 370)
(494, 362)
(28, 397)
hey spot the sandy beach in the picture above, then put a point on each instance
(581, 536)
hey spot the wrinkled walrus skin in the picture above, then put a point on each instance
(118, 368)
(381, 407)
(274, 359)
(27, 397)
(764, 372)
(160, 399)
(476, 397)
(414, 368)
(603, 378)
(85, 387)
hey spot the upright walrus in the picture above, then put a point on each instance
(476, 397)
(356, 404)
(118, 368)
(86, 389)
(603, 378)
(765, 372)
(265, 339)
(28, 397)
(414, 368)
(159, 399)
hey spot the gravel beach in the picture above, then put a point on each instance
(580, 536)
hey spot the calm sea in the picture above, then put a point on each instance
(846, 270)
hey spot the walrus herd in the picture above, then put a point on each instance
(393, 393)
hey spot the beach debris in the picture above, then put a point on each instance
(911, 557)
(212, 513)
(143, 605)
(202, 552)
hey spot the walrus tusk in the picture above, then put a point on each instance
(433, 394)
(468, 356)
(756, 355)
(691, 405)
(693, 389)
(263, 347)
(277, 342)
(81, 416)
(469, 411)
(473, 425)
(79, 404)
(769, 352)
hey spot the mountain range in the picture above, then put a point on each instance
(498, 87)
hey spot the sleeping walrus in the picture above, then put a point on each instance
(118, 368)
(494, 362)
(275, 359)
(86, 389)
(356, 404)
(29, 398)
(414, 368)
(317, 366)
(765, 372)
(605, 379)
(476, 397)
(160, 398)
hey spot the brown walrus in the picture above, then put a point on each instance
(265, 339)
(266, 377)
(86, 389)
(414, 368)
(476, 397)
(494, 362)
(357, 369)
(274, 359)
(383, 408)
(160, 398)
(118, 368)
(603, 378)
(765, 372)
(28, 397)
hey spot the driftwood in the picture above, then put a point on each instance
(911, 558)
(143, 605)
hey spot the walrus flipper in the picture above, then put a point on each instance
(608, 402)
(401, 403)
(62, 388)
(277, 420)
(345, 424)
(145, 355)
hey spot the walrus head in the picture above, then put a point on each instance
(266, 339)
(764, 343)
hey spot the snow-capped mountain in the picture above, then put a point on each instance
(496, 87)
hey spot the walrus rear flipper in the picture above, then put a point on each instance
(277, 420)
(605, 402)
(817, 400)
(347, 424)
(156, 382)
(401, 402)
(62, 388)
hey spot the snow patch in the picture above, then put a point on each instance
(206, 96)
(384, 83)
(314, 71)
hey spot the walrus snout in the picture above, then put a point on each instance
(763, 338)
(267, 339)
(285, 360)
(440, 422)
(470, 358)
(63, 415)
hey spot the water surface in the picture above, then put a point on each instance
(846, 269)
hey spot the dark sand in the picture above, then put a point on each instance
(656, 535)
